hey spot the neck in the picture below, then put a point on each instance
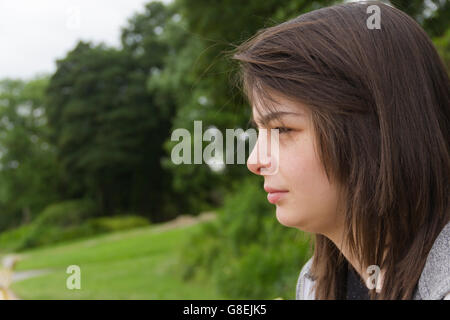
(336, 236)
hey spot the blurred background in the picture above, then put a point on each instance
(90, 92)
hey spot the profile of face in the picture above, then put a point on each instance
(307, 199)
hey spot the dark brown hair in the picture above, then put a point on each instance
(380, 104)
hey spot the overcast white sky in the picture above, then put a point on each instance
(34, 33)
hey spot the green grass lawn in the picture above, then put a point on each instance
(137, 264)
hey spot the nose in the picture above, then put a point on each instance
(259, 158)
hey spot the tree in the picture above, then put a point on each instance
(433, 15)
(108, 130)
(28, 168)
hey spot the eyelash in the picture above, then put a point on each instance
(283, 129)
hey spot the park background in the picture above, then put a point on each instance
(86, 176)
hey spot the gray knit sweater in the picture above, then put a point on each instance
(434, 282)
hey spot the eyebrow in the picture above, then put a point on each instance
(266, 119)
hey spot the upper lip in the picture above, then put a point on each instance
(271, 190)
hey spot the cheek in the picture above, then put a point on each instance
(313, 202)
(302, 168)
(306, 176)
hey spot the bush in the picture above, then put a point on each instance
(443, 46)
(12, 240)
(64, 221)
(118, 223)
(247, 252)
(67, 213)
(263, 272)
(59, 222)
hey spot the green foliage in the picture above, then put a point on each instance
(28, 166)
(443, 46)
(247, 252)
(107, 127)
(262, 272)
(92, 227)
(59, 222)
(431, 14)
(117, 223)
(66, 221)
(13, 240)
(67, 213)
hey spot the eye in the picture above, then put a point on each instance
(283, 129)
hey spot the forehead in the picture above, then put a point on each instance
(266, 108)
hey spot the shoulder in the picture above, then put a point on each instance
(305, 282)
(434, 282)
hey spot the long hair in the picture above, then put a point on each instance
(380, 104)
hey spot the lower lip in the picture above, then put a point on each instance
(274, 197)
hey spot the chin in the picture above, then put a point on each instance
(287, 218)
(294, 219)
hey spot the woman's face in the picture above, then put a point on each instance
(309, 202)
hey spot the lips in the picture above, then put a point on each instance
(274, 195)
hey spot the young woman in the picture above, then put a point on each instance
(363, 116)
